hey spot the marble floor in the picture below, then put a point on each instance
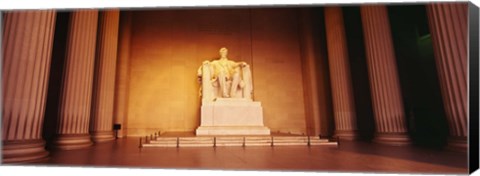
(347, 157)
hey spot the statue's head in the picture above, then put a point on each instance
(223, 52)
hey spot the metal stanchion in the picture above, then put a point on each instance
(214, 141)
(308, 144)
(178, 142)
(271, 142)
(243, 145)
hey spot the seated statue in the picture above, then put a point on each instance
(224, 78)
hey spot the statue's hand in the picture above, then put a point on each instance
(243, 64)
(214, 79)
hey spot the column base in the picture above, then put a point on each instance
(23, 151)
(458, 144)
(102, 136)
(72, 141)
(346, 135)
(395, 139)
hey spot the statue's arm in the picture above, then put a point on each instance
(205, 64)
(199, 71)
(240, 64)
(199, 74)
(243, 64)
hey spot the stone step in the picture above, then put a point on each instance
(318, 140)
(196, 142)
(291, 137)
(196, 138)
(229, 144)
(159, 145)
(258, 137)
(163, 142)
(229, 141)
(210, 141)
(165, 139)
(325, 143)
(258, 144)
(229, 138)
(258, 141)
(290, 144)
(289, 140)
(196, 145)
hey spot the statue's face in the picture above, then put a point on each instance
(223, 52)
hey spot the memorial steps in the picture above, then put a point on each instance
(231, 141)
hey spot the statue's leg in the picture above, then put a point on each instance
(223, 83)
(235, 82)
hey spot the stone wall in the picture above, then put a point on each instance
(168, 46)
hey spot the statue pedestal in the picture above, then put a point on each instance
(232, 116)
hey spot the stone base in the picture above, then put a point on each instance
(72, 141)
(102, 136)
(346, 135)
(395, 139)
(458, 144)
(23, 151)
(232, 130)
(232, 116)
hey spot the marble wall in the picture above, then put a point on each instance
(168, 46)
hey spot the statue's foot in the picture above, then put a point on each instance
(225, 95)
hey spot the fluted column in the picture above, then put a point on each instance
(27, 46)
(449, 28)
(76, 92)
(384, 79)
(342, 92)
(121, 83)
(310, 68)
(104, 84)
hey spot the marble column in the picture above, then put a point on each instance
(104, 83)
(27, 48)
(310, 68)
(449, 30)
(342, 91)
(121, 83)
(390, 120)
(76, 91)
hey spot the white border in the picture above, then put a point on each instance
(82, 171)
(70, 4)
(89, 4)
